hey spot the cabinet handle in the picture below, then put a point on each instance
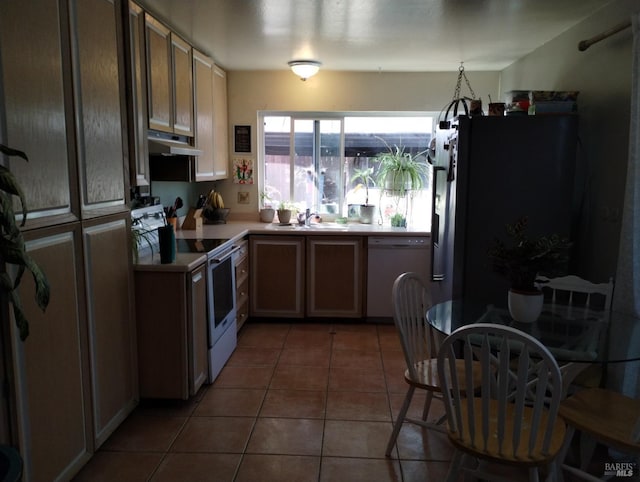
(197, 277)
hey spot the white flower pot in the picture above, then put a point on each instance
(267, 215)
(367, 213)
(525, 307)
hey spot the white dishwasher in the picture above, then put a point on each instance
(389, 257)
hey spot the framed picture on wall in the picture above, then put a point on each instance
(242, 138)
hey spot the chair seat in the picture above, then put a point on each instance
(427, 371)
(492, 451)
(608, 416)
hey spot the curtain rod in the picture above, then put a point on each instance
(585, 44)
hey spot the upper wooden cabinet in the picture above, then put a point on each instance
(159, 88)
(135, 54)
(99, 90)
(169, 80)
(36, 118)
(203, 98)
(220, 124)
(182, 86)
(210, 98)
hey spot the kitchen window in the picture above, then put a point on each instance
(310, 159)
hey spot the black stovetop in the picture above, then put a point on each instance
(199, 245)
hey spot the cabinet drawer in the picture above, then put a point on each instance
(242, 251)
(242, 271)
(242, 291)
(242, 314)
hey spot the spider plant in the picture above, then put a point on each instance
(400, 171)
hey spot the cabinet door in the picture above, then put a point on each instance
(182, 86)
(33, 103)
(334, 276)
(159, 78)
(277, 276)
(50, 368)
(197, 331)
(203, 101)
(111, 331)
(99, 76)
(161, 321)
(220, 124)
(137, 101)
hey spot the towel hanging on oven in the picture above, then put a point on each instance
(474, 106)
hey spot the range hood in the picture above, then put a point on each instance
(167, 147)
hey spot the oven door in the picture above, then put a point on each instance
(221, 297)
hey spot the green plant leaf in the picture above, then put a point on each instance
(12, 247)
(21, 322)
(8, 183)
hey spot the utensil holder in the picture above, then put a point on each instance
(167, 242)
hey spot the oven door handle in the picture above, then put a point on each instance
(226, 255)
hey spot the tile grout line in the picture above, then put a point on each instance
(264, 397)
(332, 333)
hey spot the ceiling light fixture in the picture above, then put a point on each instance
(305, 68)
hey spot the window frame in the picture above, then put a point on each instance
(320, 116)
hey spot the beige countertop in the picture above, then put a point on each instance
(236, 230)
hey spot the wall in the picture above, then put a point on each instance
(252, 91)
(602, 74)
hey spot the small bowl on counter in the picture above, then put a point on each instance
(215, 215)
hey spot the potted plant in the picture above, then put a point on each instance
(367, 211)
(522, 260)
(285, 210)
(266, 211)
(401, 171)
(12, 248)
(398, 221)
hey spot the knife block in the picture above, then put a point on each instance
(193, 219)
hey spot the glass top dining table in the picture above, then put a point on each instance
(571, 334)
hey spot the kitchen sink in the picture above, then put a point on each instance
(311, 227)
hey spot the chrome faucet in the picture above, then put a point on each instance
(307, 217)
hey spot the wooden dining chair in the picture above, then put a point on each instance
(420, 342)
(511, 420)
(575, 297)
(609, 417)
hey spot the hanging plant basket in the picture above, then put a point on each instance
(471, 105)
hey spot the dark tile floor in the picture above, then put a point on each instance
(296, 402)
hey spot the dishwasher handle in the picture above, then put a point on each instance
(395, 242)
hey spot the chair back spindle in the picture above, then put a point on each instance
(507, 417)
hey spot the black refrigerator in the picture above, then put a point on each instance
(487, 172)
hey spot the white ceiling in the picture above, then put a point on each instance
(371, 35)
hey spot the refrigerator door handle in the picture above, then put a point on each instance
(439, 197)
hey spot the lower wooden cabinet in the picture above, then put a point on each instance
(315, 276)
(51, 390)
(171, 319)
(335, 276)
(112, 351)
(277, 276)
